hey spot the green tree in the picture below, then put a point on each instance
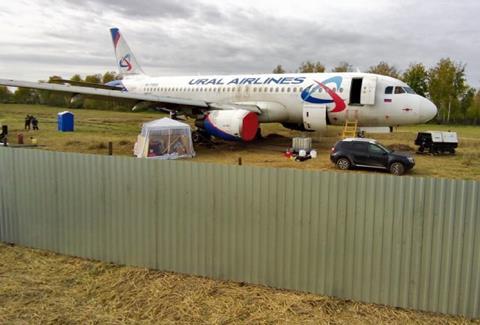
(278, 69)
(94, 78)
(309, 66)
(26, 96)
(385, 69)
(466, 102)
(53, 98)
(416, 77)
(343, 67)
(76, 77)
(447, 86)
(473, 112)
(95, 103)
(5, 94)
(109, 76)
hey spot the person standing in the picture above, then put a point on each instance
(28, 120)
(34, 123)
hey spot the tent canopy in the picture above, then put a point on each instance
(164, 139)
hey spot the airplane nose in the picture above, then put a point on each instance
(428, 110)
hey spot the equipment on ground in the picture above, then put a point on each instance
(164, 139)
(301, 144)
(350, 129)
(437, 142)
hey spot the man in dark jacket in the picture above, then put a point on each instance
(28, 120)
(34, 122)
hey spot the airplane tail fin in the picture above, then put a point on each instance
(127, 64)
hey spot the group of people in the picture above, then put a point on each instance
(31, 123)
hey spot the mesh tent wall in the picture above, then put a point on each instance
(164, 139)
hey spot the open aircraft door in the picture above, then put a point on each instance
(314, 117)
(367, 96)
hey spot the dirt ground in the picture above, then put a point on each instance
(38, 287)
(94, 129)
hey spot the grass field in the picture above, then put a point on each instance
(37, 287)
(95, 128)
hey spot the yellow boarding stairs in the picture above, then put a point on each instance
(350, 129)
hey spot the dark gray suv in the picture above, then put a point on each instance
(360, 152)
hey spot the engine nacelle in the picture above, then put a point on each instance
(231, 124)
(76, 101)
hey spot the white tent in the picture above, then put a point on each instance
(164, 139)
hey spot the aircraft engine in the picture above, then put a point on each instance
(230, 124)
(76, 101)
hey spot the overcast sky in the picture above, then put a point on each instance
(60, 37)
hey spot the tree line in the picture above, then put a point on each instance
(445, 84)
(45, 97)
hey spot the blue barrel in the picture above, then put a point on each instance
(65, 121)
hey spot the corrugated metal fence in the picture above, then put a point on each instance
(403, 241)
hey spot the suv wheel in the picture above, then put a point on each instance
(343, 163)
(397, 168)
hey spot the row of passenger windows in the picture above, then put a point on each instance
(233, 89)
(225, 89)
(399, 90)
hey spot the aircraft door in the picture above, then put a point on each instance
(314, 117)
(367, 96)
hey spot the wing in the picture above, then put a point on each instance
(105, 93)
(86, 84)
(137, 99)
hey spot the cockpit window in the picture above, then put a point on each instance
(409, 90)
(399, 90)
(388, 90)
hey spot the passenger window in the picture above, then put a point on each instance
(389, 90)
(359, 146)
(376, 150)
(399, 90)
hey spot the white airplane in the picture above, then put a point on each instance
(232, 107)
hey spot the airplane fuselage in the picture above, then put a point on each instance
(372, 100)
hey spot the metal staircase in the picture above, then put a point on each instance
(350, 129)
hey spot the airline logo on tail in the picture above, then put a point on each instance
(125, 62)
(307, 94)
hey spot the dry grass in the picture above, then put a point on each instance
(38, 287)
(94, 129)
